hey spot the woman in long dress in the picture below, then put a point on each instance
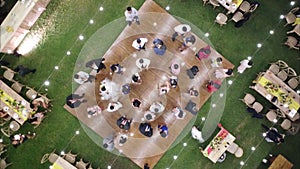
(244, 64)
(223, 73)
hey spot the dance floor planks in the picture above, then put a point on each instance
(155, 23)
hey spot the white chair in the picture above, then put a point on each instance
(258, 107)
(237, 16)
(291, 17)
(245, 6)
(292, 42)
(214, 3)
(248, 99)
(272, 116)
(221, 19)
(286, 124)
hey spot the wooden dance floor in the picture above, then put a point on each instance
(155, 23)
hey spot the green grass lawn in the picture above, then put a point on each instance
(62, 23)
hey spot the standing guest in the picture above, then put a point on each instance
(131, 15)
(93, 111)
(108, 142)
(3, 114)
(114, 106)
(142, 63)
(197, 134)
(157, 107)
(173, 81)
(223, 73)
(117, 68)
(178, 112)
(213, 86)
(187, 42)
(181, 30)
(140, 43)
(164, 89)
(163, 130)
(74, 100)
(146, 166)
(124, 123)
(136, 103)
(136, 78)
(82, 77)
(96, 64)
(244, 64)
(216, 62)
(146, 129)
(36, 118)
(159, 47)
(24, 70)
(203, 53)
(272, 135)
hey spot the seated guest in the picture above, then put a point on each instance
(18, 139)
(197, 134)
(140, 43)
(108, 142)
(122, 139)
(93, 111)
(272, 135)
(136, 78)
(216, 62)
(117, 68)
(159, 47)
(178, 112)
(36, 118)
(74, 100)
(3, 114)
(146, 166)
(187, 42)
(223, 73)
(149, 116)
(136, 103)
(82, 77)
(181, 30)
(244, 64)
(96, 64)
(213, 85)
(175, 68)
(163, 130)
(157, 107)
(146, 129)
(143, 63)
(124, 123)
(114, 106)
(39, 102)
(192, 72)
(203, 53)
(193, 92)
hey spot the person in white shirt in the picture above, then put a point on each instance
(82, 77)
(131, 15)
(143, 63)
(196, 134)
(140, 43)
(244, 64)
(114, 106)
(181, 30)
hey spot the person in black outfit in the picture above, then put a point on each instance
(273, 135)
(24, 70)
(146, 129)
(74, 100)
(96, 64)
(146, 166)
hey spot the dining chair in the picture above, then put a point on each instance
(248, 99)
(245, 6)
(282, 75)
(214, 3)
(90, 166)
(294, 82)
(3, 163)
(51, 157)
(291, 72)
(257, 106)
(292, 42)
(10, 129)
(221, 19)
(291, 17)
(282, 64)
(296, 117)
(286, 124)
(274, 68)
(31, 94)
(296, 30)
(8, 73)
(81, 164)
(205, 2)
(272, 116)
(70, 157)
(237, 16)
(16, 86)
(4, 120)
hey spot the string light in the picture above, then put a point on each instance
(91, 21)
(62, 153)
(213, 105)
(242, 163)
(271, 32)
(221, 94)
(101, 8)
(230, 82)
(281, 16)
(56, 67)
(206, 34)
(47, 83)
(203, 118)
(175, 157)
(68, 53)
(259, 45)
(77, 132)
(184, 144)
(167, 7)
(81, 37)
(292, 3)
(154, 24)
(109, 167)
(253, 148)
